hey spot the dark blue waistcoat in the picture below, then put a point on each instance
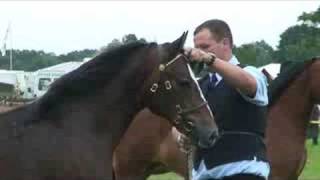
(233, 114)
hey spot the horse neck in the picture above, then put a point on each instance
(11, 120)
(290, 114)
(130, 100)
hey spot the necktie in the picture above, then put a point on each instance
(213, 81)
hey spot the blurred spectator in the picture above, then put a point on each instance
(313, 127)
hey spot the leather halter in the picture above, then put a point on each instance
(180, 122)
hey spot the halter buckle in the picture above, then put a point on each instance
(188, 126)
(167, 85)
(162, 67)
(154, 87)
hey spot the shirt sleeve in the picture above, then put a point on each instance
(261, 96)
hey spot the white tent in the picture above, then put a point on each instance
(63, 67)
(8, 77)
(42, 78)
(12, 82)
(30, 82)
(273, 69)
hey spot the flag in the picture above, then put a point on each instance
(4, 46)
(3, 49)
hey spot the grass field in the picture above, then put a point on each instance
(312, 169)
(310, 172)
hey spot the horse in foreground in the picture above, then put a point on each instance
(292, 95)
(71, 131)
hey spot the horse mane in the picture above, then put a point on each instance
(289, 70)
(89, 77)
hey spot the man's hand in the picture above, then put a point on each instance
(184, 143)
(233, 74)
(198, 55)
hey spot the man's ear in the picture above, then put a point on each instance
(225, 42)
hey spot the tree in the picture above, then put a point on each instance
(299, 42)
(29, 60)
(312, 18)
(129, 38)
(77, 55)
(302, 41)
(257, 53)
(143, 40)
(114, 43)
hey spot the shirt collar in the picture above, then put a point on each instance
(234, 60)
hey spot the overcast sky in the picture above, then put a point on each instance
(61, 27)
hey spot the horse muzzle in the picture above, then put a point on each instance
(207, 137)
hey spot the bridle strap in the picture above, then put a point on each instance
(187, 125)
(175, 59)
(189, 110)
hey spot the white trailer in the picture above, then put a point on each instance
(14, 84)
(40, 80)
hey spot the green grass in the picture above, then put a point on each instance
(166, 176)
(312, 168)
(310, 172)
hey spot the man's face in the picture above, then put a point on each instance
(205, 41)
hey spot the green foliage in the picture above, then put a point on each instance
(311, 170)
(31, 60)
(129, 38)
(299, 42)
(28, 60)
(166, 176)
(257, 53)
(312, 18)
(77, 55)
(114, 43)
(302, 41)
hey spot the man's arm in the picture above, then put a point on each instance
(234, 75)
(261, 96)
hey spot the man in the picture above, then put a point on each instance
(313, 128)
(238, 98)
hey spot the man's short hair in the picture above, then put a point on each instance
(218, 28)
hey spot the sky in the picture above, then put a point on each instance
(64, 26)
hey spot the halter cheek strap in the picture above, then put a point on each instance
(180, 122)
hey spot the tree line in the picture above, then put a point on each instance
(298, 42)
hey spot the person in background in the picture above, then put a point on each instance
(313, 127)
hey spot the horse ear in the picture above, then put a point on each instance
(170, 50)
(178, 44)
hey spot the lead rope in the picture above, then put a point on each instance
(190, 163)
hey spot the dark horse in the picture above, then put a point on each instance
(65, 134)
(148, 146)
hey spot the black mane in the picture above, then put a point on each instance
(288, 72)
(91, 76)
